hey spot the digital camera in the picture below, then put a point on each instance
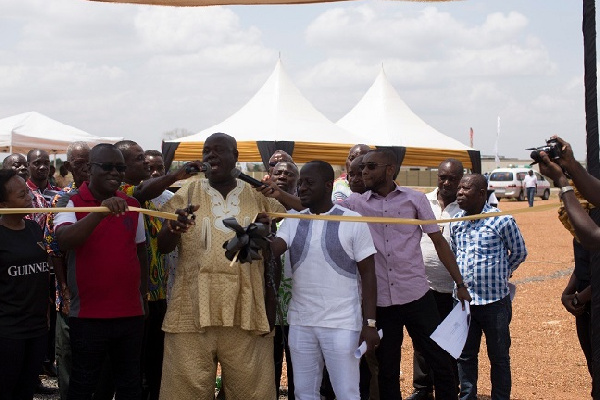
(552, 148)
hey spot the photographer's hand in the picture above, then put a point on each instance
(588, 185)
(567, 157)
(552, 170)
(567, 302)
(586, 229)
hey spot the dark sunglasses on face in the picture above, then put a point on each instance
(108, 167)
(371, 165)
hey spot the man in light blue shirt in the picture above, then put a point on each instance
(488, 251)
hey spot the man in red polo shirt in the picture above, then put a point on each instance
(107, 276)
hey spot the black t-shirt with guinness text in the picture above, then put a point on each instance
(24, 292)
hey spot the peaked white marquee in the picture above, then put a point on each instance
(382, 118)
(277, 112)
(32, 130)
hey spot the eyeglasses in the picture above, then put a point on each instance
(108, 167)
(371, 165)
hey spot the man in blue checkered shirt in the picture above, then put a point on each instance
(488, 250)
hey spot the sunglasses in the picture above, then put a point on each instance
(371, 165)
(108, 167)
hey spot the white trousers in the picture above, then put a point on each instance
(311, 348)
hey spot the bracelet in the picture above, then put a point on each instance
(461, 285)
(566, 189)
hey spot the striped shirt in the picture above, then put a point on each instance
(487, 251)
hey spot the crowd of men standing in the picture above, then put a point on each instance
(135, 321)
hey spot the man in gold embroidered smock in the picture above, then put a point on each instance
(217, 311)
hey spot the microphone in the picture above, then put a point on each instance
(191, 169)
(236, 173)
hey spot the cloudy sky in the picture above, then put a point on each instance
(141, 71)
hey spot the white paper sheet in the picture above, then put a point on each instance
(451, 334)
(513, 290)
(362, 349)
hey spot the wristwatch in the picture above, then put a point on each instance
(371, 323)
(566, 189)
(461, 285)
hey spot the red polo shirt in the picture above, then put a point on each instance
(104, 273)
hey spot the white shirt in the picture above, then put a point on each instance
(325, 279)
(530, 180)
(437, 275)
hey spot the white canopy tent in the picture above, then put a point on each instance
(383, 119)
(31, 130)
(278, 116)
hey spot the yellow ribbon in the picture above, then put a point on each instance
(411, 221)
(341, 218)
(153, 213)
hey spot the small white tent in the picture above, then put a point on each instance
(382, 118)
(31, 130)
(277, 117)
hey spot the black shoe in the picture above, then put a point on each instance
(421, 394)
(41, 389)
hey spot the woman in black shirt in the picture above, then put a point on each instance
(24, 295)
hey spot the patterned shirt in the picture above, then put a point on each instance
(488, 251)
(170, 261)
(39, 202)
(285, 286)
(208, 291)
(341, 188)
(157, 273)
(50, 237)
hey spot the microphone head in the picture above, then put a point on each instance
(193, 170)
(235, 173)
(206, 168)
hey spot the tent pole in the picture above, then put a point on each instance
(591, 87)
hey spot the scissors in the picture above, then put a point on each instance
(190, 208)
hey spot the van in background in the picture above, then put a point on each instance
(508, 183)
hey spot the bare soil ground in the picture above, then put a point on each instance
(547, 362)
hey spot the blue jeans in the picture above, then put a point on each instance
(95, 339)
(530, 195)
(493, 320)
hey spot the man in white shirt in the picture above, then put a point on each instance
(325, 318)
(530, 184)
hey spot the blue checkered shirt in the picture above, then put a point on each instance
(487, 251)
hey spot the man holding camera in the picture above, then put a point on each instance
(556, 166)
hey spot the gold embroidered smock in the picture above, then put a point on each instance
(207, 290)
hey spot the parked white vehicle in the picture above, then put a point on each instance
(508, 183)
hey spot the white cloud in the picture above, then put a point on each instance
(453, 73)
(139, 71)
(130, 70)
